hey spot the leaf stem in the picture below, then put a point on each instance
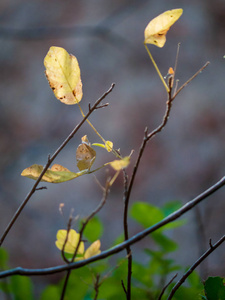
(157, 69)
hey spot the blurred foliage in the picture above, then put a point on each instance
(148, 279)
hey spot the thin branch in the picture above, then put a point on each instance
(166, 286)
(195, 265)
(50, 160)
(118, 248)
(126, 237)
(96, 287)
(190, 79)
(98, 208)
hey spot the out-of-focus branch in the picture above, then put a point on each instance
(118, 248)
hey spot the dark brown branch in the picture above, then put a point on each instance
(98, 208)
(126, 237)
(96, 287)
(195, 265)
(50, 160)
(166, 286)
(118, 248)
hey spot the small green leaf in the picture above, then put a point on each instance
(146, 214)
(3, 258)
(51, 292)
(214, 288)
(93, 230)
(164, 242)
(21, 287)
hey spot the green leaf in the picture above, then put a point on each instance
(3, 258)
(51, 292)
(214, 288)
(146, 214)
(164, 242)
(94, 229)
(56, 174)
(21, 288)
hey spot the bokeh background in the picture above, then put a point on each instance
(107, 39)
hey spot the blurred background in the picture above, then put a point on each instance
(107, 39)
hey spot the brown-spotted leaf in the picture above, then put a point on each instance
(156, 30)
(56, 174)
(85, 155)
(63, 74)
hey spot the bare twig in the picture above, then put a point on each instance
(96, 287)
(101, 204)
(166, 286)
(126, 237)
(194, 266)
(190, 79)
(50, 160)
(118, 248)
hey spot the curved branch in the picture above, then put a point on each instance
(188, 206)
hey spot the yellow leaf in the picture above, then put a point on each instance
(93, 250)
(109, 146)
(156, 30)
(85, 155)
(120, 164)
(63, 74)
(72, 241)
(56, 174)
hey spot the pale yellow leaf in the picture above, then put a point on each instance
(93, 250)
(109, 146)
(120, 164)
(63, 74)
(156, 30)
(72, 241)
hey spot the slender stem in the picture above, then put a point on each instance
(118, 248)
(157, 69)
(166, 286)
(92, 126)
(50, 160)
(98, 208)
(126, 237)
(195, 265)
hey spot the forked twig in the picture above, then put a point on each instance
(194, 266)
(50, 160)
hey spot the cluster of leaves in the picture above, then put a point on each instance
(148, 279)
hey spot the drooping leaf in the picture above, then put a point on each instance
(56, 174)
(120, 164)
(156, 30)
(72, 241)
(85, 155)
(63, 74)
